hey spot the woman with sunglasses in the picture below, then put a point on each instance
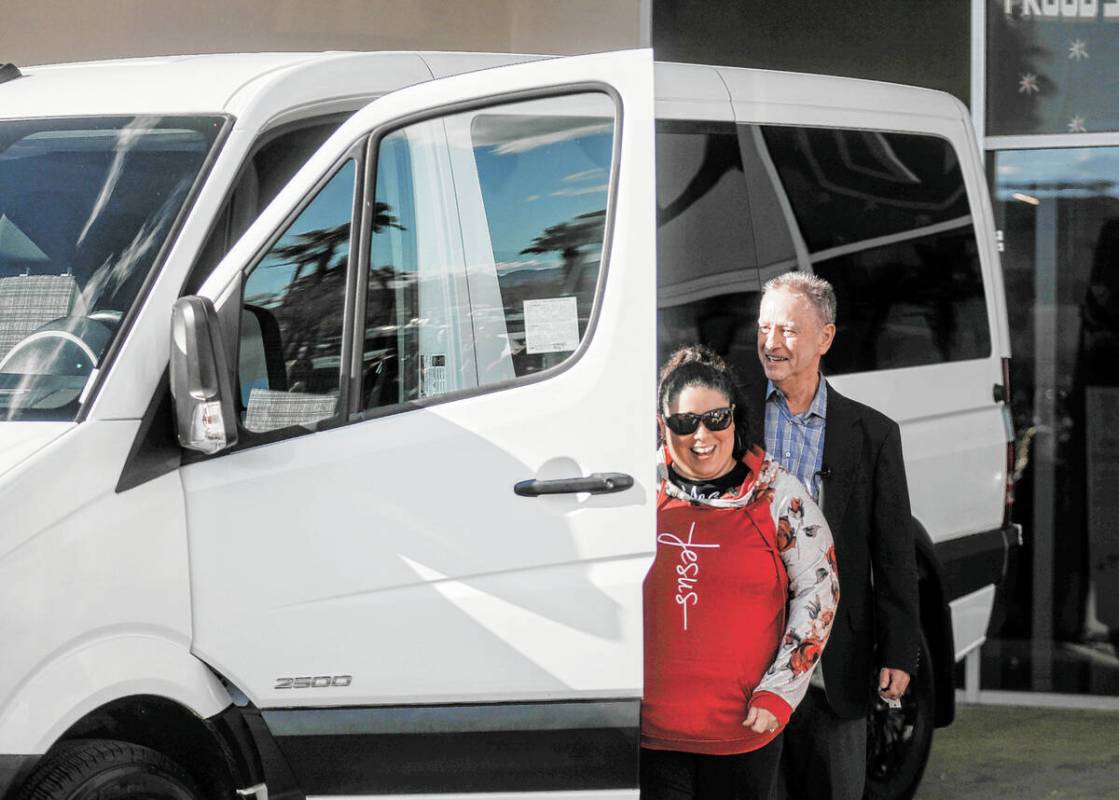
(739, 601)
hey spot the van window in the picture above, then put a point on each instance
(274, 161)
(292, 315)
(883, 216)
(885, 219)
(707, 260)
(700, 186)
(86, 205)
(486, 243)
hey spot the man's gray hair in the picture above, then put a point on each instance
(815, 290)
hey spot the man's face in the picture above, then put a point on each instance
(791, 339)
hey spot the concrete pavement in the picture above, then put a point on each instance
(1024, 753)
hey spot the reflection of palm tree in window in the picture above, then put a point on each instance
(317, 248)
(569, 239)
(310, 313)
(380, 295)
(382, 219)
(313, 301)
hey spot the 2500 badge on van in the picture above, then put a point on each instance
(289, 390)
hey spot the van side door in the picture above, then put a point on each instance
(423, 560)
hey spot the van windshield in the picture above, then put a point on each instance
(86, 205)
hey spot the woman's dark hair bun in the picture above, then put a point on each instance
(694, 365)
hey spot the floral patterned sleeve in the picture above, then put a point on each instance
(808, 551)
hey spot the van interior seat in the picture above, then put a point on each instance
(269, 410)
(30, 301)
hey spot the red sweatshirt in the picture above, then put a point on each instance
(739, 603)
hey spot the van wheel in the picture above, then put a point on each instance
(899, 740)
(101, 769)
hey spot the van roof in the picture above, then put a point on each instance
(255, 87)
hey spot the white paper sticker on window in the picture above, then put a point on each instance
(434, 374)
(551, 325)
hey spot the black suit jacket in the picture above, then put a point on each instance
(866, 503)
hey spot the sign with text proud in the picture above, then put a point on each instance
(1063, 9)
(1050, 65)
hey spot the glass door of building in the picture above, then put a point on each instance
(1058, 629)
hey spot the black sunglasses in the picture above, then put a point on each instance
(717, 419)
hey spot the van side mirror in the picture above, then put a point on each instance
(201, 389)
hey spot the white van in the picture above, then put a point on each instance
(397, 544)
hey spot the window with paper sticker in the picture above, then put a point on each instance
(544, 182)
(486, 244)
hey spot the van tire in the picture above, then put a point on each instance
(103, 769)
(899, 741)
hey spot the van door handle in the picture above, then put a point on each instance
(595, 483)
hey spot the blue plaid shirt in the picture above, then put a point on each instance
(796, 441)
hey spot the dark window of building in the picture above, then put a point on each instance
(919, 43)
(1056, 623)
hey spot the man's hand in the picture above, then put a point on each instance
(760, 721)
(892, 683)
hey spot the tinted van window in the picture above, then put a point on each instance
(885, 218)
(707, 273)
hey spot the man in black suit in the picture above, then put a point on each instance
(849, 456)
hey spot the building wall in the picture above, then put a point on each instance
(918, 42)
(574, 26)
(36, 32)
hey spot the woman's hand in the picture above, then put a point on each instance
(760, 721)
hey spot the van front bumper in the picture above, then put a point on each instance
(13, 771)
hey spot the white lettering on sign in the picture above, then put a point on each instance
(687, 571)
(1063, 9)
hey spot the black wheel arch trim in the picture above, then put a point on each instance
(247, 746)
(936, 622)
(253, 755)
(215, 751)
(950, 570)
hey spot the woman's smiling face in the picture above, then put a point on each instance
(703, 454)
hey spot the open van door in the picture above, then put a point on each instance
(423, 558)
